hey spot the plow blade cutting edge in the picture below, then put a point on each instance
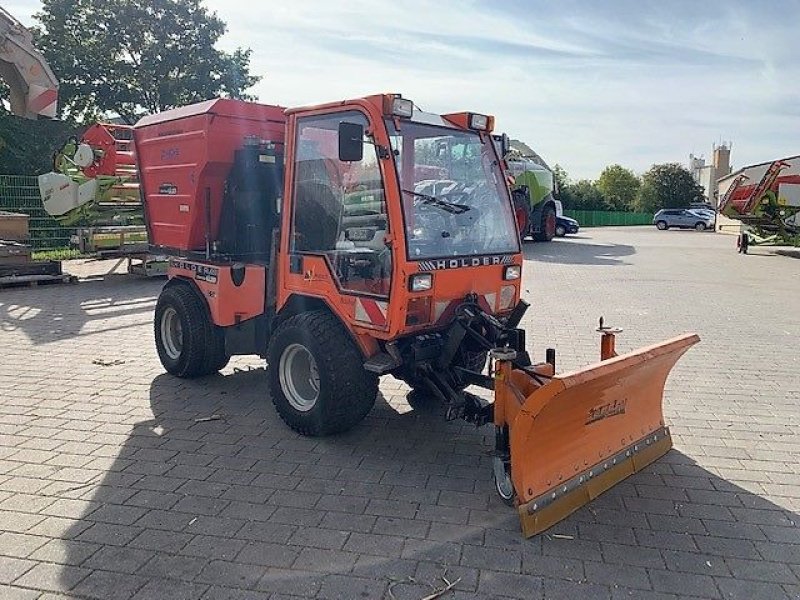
(575, 435)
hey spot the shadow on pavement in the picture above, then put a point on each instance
(572, 252)
(214, 494)
(57, 312)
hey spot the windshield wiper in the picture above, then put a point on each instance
(451, 207)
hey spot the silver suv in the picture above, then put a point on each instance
(683, 218)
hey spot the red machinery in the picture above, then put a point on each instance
(186, 156)
(767, 203)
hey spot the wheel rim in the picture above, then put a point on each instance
(299, 377)
(522, 221)
(699, 227)
(560, 231)
(172, 333)
(502, 480)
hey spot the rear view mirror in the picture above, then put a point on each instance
(351, 142)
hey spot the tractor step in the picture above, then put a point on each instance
(381, 363)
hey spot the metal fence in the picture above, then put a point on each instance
(20, 194)
(606, 218)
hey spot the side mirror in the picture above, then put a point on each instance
(351, 142)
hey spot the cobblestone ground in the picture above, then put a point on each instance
(111, 488)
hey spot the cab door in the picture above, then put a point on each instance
(339, 222)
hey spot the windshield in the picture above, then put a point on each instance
(455, 202)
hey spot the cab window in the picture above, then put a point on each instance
(340, 207)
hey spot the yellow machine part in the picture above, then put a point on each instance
(575, 435)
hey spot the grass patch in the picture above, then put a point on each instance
(58, 254)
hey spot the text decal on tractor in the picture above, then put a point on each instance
(361, 238)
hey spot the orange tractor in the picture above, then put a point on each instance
(355, 239)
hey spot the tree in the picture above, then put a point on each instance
(585, 195)
(561, 177)
(670, 185)
(576, 195)
(130, 57)
(27, 145)
(619, 187)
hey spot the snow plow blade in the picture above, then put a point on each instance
(575, 435)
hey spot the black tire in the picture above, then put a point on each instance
(662, 225)
(560, 231)
(744, 242)
(201, 347)
(217, 358)
(522, 216)
(503, 486)
(700, 226)
(345, 392)
(548, 225)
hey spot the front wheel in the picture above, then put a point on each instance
(560, 231)
(501, 472)
(662, 225)
(700, 226)
(317, 380)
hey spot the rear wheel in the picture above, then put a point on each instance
(662, 225)
(548, 230)
(700, 226)
(521, 215)
(317, 380)
(188, 344)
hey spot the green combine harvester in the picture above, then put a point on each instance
(532, 190)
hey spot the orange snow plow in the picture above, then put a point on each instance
(570, 437)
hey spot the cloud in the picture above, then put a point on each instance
(584, 83)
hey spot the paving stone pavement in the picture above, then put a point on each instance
(110, 487)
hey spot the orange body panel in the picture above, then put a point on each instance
(228, 303)
(187, 152)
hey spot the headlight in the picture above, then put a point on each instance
(421, 282)
(402, 107)
(478, 122)
(512, 272)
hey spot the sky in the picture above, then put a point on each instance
(585, 84)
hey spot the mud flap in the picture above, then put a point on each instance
(583, 432)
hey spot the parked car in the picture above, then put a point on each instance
(683, 218)
(710, 213)
(565, 225)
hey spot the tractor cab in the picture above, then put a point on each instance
(398, 214)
